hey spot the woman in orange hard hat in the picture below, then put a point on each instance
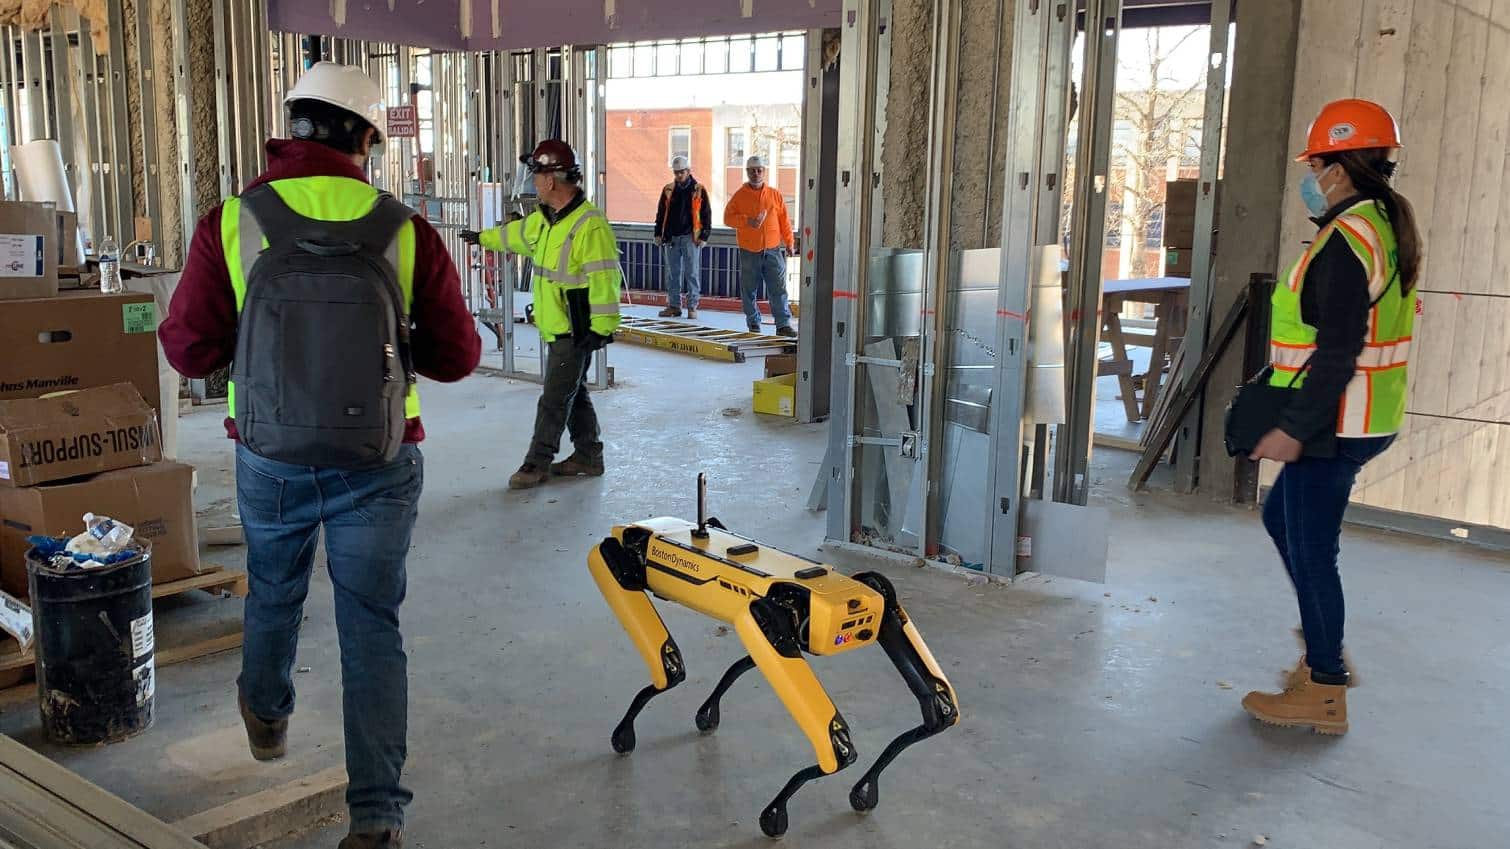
(1340, 340)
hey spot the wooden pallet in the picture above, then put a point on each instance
(16, 667)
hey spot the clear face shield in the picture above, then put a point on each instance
(524, 184)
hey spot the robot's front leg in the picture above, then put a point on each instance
(912, 659)
(620, 576)
(770, 636)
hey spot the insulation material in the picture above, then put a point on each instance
(33, 15)
(904, 175)
(204, 123)
(169, 239)
(980, 150)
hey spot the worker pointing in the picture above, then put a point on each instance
(576, 282)
(757, 212)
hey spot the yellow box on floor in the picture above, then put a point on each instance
(776, 396)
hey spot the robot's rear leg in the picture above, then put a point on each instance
(707, 715)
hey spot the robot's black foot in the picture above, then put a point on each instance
(623, 739)
(707, 718)
(865, 795)
(773, 821)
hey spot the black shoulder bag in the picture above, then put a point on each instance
(1256, 409)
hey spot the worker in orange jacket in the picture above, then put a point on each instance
(757, 212)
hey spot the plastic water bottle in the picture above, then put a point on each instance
(110, 267)
(113, 536)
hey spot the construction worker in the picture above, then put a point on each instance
(1340, 339)
(314, 208)
(576, 284)
(682, 222)
(757, 212)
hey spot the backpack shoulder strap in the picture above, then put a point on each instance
(377, 231)
(273, 218)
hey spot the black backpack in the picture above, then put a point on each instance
(323, 363)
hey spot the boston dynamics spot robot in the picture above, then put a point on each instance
(780, 605)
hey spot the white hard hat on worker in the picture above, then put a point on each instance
(344, 86)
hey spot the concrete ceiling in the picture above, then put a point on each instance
(520, 24)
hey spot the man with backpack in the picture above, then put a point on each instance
(326, 297)
(576, 280)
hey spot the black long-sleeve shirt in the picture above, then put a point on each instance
(1334, 299)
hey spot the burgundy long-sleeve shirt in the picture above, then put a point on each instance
(199, 334)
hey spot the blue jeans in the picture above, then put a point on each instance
(1303, 516)
(684, 261)
(368, 517)
(768, 267)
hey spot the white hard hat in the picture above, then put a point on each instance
(345, 86)
(755, 162)
(680, 163)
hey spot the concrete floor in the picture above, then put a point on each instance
(1095, 716)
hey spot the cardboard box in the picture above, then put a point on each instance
(79, 340)
(777, 396)
(28, 257)
(156, 500)
(79, 433)
(780, 364)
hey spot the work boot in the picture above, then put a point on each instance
(373, 840)
(529, 476)
(268, 739)
(1319, 707)
(787, 332)
(754, 328)
(691, 312)
(670, 312)
(578, 465)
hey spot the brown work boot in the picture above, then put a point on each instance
(691, 313)
(1319, 707)
(373, 840)
(578, 466)
(268, 740)
(529, 476)
(670, 312)
(788, 332)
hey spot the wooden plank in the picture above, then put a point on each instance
(1384, 42)
(110, 810)
(1187, 394)
(1425, 104)
(218, 578)
(1485, 189)
(275, 813)
(198, 649)
(1455, 175)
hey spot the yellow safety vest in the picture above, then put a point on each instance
(1374, 402)
(323, 199)
(578, 251)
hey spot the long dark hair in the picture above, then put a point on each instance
(1371, 172)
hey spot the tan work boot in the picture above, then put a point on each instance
(529, 476)
(670, 312)
(578, 466)
(1319, 707)
(691, 313)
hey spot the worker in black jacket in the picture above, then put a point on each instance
(681, 226)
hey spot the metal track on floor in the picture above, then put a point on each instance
(711, 343)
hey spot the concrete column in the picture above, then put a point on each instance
(1258, 133)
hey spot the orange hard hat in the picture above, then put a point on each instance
(1350, 125)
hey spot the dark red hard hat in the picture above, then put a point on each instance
(551, 155)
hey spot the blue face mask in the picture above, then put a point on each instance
(1315, 199)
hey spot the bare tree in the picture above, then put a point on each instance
(1158, 117)
(767, 137)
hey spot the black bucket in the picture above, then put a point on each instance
(95, 673)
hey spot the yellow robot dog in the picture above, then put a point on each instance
(780, 605)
